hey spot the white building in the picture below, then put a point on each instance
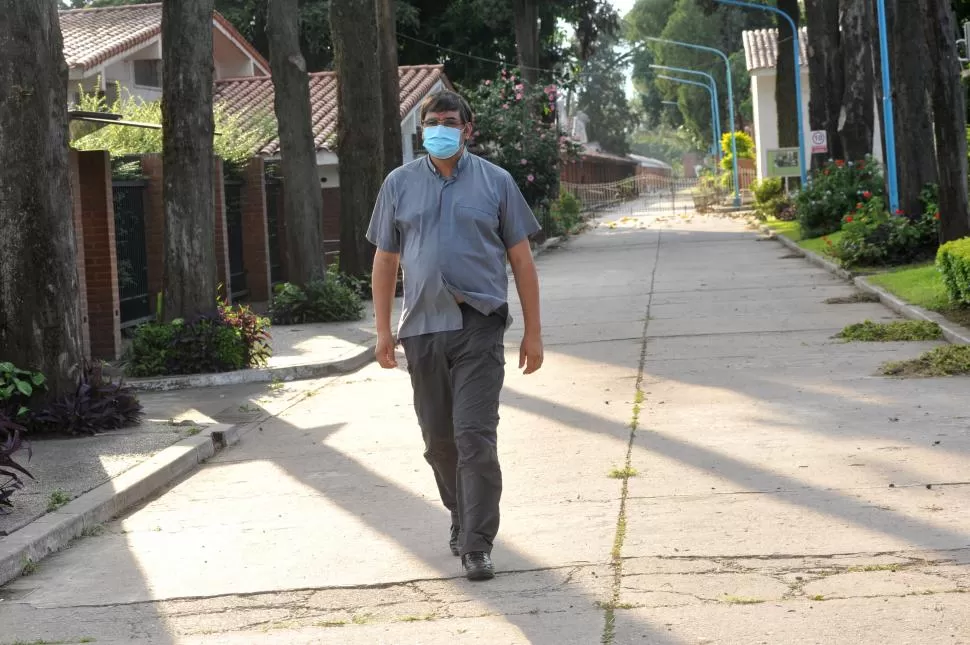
(122, 45)
(761, 56)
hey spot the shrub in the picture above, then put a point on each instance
(98, 404)
(11, 442)
(834, 191)
(770, 199)
(234, 338)
(328, 300)
(565, 214)
(17, 386)
(953, 261)
(746, 150)
(871, 236)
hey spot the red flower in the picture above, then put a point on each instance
(848, 219)
(899, 211)
(867, 195)
(839, 163)
(826, 171)
(859, 206)
(936, 215)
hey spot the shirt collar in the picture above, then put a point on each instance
(462, 162)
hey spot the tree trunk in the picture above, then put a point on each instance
(390, 85)
(785, 97)
(303, 201)
(359, 126)
(857, 113)
(187, 158)
(949, 119)
(40, 322)
(825, 74)
(526, 16)
(909, 62)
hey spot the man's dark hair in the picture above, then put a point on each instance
(447, 101)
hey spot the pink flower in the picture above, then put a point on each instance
(519, 87)
(505, 106)
(524, 162)
(487, 82)
(531, 178)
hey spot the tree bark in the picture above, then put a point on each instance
(303, 201)
(390, 85)
(187, 158)
(785, 97)
(825, 74)
(856, 116)
(949, 119)
(526, 17)
(909, 62)
(40, 322)
(359, 126)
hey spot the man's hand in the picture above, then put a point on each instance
(385, 351)
(530, 353)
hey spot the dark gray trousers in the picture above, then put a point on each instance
(457, 377)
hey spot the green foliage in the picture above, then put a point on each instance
(664, 143)
(745, 145)
(834, 192)
(947, 360)
(896, 331)
(17, 387)
(602, 97)
(332, 299)
(564, 215)
(234, 338)
(873, 237)
(514, 130)
(953, 261)
(96, 405)
(770, 199)
(238, 139)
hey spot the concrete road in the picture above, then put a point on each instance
(766, 487)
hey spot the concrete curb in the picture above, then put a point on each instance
(954, 333)
(53, 531)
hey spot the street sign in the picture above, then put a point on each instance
(820, 142)
(783, 162)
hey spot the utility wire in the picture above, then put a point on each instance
(472, 56)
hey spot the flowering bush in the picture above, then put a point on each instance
(515, 129)
(834, 191)
(872, 236)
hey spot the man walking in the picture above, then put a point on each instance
(450, 220)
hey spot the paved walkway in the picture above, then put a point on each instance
(783, 494)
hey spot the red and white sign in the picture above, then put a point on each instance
(820, 142)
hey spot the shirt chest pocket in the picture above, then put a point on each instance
(476, 221)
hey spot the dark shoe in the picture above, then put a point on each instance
(478, 566)
(453, 542)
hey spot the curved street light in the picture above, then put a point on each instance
(714, 111)
(798, 75)
(730, 84)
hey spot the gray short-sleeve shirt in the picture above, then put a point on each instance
(452, 234)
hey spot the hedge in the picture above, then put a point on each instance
(953, 260)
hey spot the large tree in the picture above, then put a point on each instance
(786, 101)
(187, 159)
(359, 126)
(909, 61)
(826, 77)
(949, 119)
(40, 323)
(390, 85)
(856, 116)
(303, 201)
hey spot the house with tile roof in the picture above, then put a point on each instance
(107, 46)
(253, 96)
(761, 57)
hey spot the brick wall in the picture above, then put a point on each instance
(79, 244)
(255, 237)
(100, 259)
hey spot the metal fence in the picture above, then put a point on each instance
(273, 191)
(234, 232)
(132, 252)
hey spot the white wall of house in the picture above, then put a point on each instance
(766, 118)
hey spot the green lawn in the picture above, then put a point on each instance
(793, 232)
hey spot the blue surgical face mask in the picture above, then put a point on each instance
(442, 142)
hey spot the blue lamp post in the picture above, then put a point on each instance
(887, 106)
(730, 84)
(714, 108)
(798, 75)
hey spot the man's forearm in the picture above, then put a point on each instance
(383, 283)
(527, 284)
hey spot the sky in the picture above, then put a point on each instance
(623, 7)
